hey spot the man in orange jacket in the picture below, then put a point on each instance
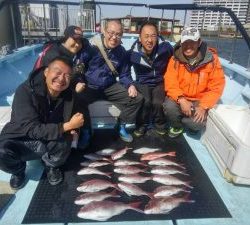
(194, 82)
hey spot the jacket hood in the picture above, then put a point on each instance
(36, 81)
(203, 57)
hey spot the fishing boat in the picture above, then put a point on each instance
(222, 151)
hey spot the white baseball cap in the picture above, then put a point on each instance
(190, 33)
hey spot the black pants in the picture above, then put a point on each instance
(177, 119)
(152, 106)
(15, 152)
(118, 95)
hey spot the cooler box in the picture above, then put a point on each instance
(227, 137)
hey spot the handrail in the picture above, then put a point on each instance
(215, 8)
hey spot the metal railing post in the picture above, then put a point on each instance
(130, 18)
(44, 18)
(248, 62)
(172, 28)
(148, 13)
(185, 18)
(13, 25)
(162, 13)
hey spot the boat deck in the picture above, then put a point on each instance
(236, 198)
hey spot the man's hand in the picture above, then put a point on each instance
(200, 114)
(186, 106)
(75, 122)
(132, 92)
(80, 87)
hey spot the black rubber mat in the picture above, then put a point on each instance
(55, 204)
(4, 200)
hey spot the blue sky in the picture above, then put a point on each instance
(119, 11)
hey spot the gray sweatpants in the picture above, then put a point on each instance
(177, 119)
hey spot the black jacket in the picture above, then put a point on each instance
(30, 116)
(150, 70)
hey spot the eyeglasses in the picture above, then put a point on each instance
(114, 34)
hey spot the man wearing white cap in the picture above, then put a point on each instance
(194, 82)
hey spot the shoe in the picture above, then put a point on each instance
(124, 135)
(161, 131)
(175, 132)
(140, 131)
(17, 181)
(193, 132)
(54, 175)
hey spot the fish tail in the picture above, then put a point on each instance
(188, 184)
(108, 174)
(114, 193)
(109, 160)
(135, 206)
(151, 195)
(187, 199)
(172, 154)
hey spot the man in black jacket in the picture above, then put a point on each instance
(41, 123)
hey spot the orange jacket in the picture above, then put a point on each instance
(205, 83)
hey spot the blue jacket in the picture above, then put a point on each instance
(150, 70)
(98, 75)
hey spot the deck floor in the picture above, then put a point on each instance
(236, 198)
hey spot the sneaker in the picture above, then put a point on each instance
(193, 132)
(54, 175)
(175, 132)
(140, 131)
(160, 131)
(124, 135)
(17, 181)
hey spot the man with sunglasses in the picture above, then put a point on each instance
(42, 124)
(194, 82)
(149, 56)
(101, 78)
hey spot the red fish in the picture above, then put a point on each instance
(95, 185)
(128, 170)
(104, 210)
(164, 205)
(133, 178)
(86, 198)
(131, 189)
(118, 154)
(170, 180)
(156, 155)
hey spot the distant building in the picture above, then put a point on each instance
(209, 20)
(248, 14)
